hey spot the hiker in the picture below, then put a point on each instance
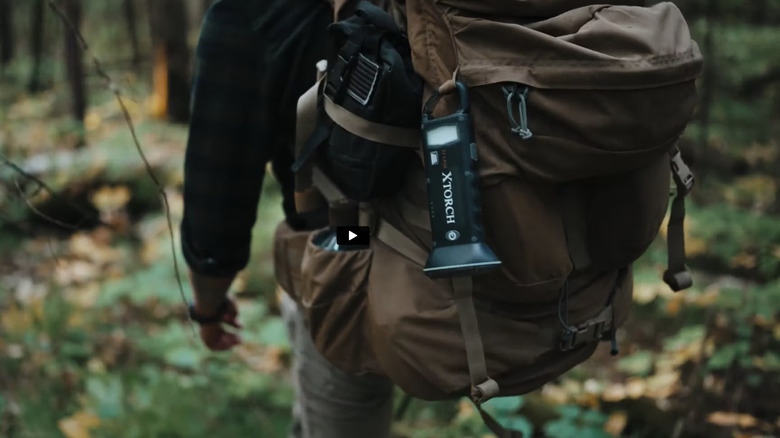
(509, 159)
(242, 118)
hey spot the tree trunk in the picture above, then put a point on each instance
(6, 33)
(132, 30)
(37, 45)
(172, 58)
(73, 61)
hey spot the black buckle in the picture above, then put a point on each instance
(571, 335)
(683, 177)
(678, 280)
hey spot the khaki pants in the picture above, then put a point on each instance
(331, 403)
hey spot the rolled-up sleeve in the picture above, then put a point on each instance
(226, 155)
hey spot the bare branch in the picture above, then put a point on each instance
(44, 215)
(115, 90)
(43, 186)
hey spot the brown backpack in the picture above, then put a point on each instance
(577, 110)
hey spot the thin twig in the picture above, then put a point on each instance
(115, 90)
(42, 214)
(43, 186)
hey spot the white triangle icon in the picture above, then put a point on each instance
(351, 235)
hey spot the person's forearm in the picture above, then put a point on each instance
(209, 292)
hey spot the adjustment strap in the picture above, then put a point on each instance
(377, 132)
(341, 210)
(394, 238)
(483, 388)
(495, 427)
(677, 276)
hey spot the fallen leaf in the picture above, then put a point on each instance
(616, 423)
(555, 394)
(614, 393)
(730, 419)
(636, 388)
(744, 260)
(674, 305)
(79, 424)
(110, 198)
(465, 409)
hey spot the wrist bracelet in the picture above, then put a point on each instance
(205, 320)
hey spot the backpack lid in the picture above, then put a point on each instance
(591, 47)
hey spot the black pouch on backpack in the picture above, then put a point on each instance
(369, 107)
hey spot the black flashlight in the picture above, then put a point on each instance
(453, 193)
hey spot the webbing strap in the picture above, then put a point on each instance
(677, 275)
(397, 240)
(495, 427)
(328, 188)
(377, 132)
(483, 388)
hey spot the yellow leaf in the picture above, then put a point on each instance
(674, 304)
(92, 121)
(555, 394)
(744, 260)
(79, 424)
(636, 387)
(731, 419)
(110, 198)
(14, 320)
(776, 252)
(614, 393)
(465, 409)
(616, 423)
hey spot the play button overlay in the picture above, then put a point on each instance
(353, 236)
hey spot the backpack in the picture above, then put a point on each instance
(576, 112)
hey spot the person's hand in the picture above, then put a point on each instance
(215, 336)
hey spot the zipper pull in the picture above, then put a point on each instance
(521, 128)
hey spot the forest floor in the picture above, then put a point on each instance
(95, 341)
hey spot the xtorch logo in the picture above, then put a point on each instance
(449, 209)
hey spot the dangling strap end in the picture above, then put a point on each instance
(679, 280)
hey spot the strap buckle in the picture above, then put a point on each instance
(678, 280)
(683, 177)
(590, 331)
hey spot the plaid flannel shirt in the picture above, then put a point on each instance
(236, 128)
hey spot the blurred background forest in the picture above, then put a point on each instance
(93, 337)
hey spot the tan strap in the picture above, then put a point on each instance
(328, 188)
(387, 134)
(397, 240)
(483, 388)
